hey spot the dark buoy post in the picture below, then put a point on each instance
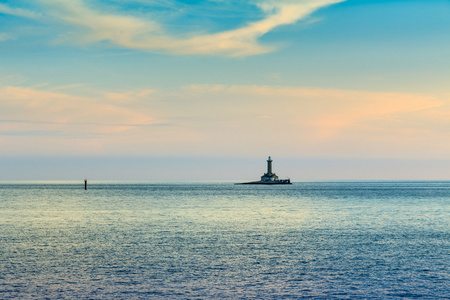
(85, 184)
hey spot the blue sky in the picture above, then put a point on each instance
(298, 80)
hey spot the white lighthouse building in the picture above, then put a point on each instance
(269, 176)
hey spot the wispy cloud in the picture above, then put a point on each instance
(65, 87)
(49, 122)
(19, 12)
(23, 109)
(134, 32)
(313, 120)
(5, 37)
(84, 123)
(224, 119)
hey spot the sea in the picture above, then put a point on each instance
(217, 240)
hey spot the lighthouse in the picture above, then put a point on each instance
(269, 176)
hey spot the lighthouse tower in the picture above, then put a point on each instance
(269, 166)
(269, 176)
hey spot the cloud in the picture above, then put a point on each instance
(126, 97)
(138, 33)
(25, 109)
(46, 122)
(19, 12)
(225, 120)
(5, 37)
(295, 120)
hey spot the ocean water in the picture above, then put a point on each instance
(122, 240)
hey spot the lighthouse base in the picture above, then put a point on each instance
(279, 181)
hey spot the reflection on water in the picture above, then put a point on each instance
(125, 240)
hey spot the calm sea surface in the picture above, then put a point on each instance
(347, 240)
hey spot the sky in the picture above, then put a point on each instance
(208, 89)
